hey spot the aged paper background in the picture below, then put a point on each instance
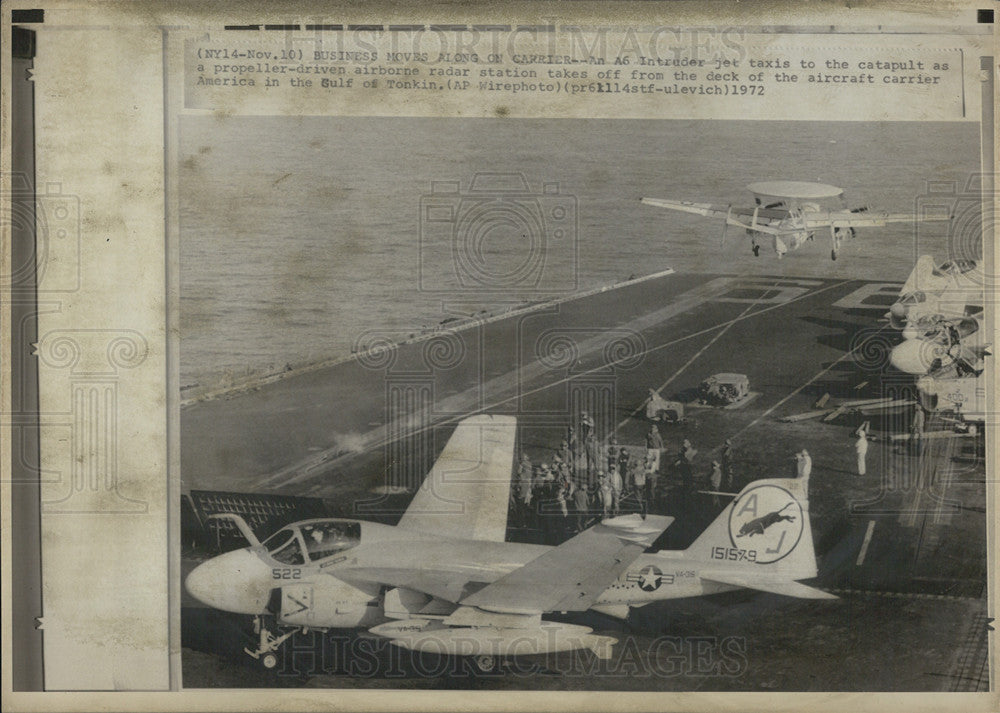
(117, 79)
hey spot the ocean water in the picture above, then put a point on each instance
(298, 236)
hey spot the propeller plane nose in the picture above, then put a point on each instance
(237, 581)
(917, 356)
(898, 311)
(897, 315)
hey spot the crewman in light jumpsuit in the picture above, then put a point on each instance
(562, 495)
(715, 482)
(861, 446)
(654, 444)
(804, 463)
(581, 503)
(652, 475)
(604, 490)
(639, 482)
(917, 429)
(616, 488)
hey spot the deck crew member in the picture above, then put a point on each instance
(562, 495)
(581, 503)
(726, 461)
(615, 478)
(604, 492)
(917, 428)
(654, 444)
(624, 460)
(564, 452)
(803, 464)
(652, 475)
(610, 456)
(639, 483)
(861, 446)
(715, 482)
(590, 450)
(685, 459)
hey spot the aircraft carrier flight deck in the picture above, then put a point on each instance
(903, 546)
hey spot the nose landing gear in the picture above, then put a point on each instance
(269, 644)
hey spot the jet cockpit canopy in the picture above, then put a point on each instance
(313, 540)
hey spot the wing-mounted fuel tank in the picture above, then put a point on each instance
(325, 603)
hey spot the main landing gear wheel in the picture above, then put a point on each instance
(269, 660)
(833, 254)
(486, 663)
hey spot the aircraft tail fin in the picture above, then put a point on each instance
(764, 532)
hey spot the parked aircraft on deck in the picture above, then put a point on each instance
(935, 293)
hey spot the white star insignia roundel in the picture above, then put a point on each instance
(650, 578)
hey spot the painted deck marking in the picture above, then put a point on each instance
(864, 545)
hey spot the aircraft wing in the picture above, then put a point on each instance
(862, 219)
(571, 576)
(743, 217)
(706, 209)
(788, 588)
(465, 495)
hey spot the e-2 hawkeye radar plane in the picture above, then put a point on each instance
(443, 580)
(790, 213)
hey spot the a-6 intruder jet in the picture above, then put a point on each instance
(790, 213)
(443, 580)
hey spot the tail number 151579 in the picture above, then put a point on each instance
(734, 554)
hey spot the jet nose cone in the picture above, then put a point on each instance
(236, 582)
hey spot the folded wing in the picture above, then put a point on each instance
(465, 494)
